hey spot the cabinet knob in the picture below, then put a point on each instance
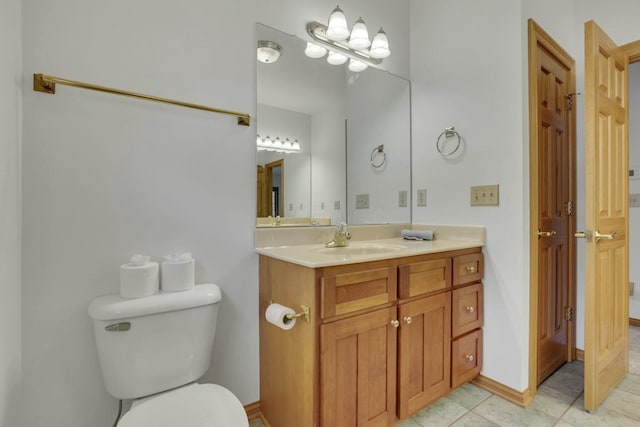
(471, 269)
(395, 323)
(469, 357)
(408, 320)
(470, 309)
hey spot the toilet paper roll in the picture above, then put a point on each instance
(139, 281)
(178, 275)
(275, 314)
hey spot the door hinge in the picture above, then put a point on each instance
(568, 313)
(569, 208)
(570, 100)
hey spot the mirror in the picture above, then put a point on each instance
(353, 130)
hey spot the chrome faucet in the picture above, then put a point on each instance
(341, 238)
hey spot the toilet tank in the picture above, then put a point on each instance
(152, 344)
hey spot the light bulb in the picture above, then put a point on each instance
(380, 45)
(336, 58)
(357, 66)
(314, 51)
(359, 36)
(337, 27)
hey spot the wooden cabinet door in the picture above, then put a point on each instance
(358, 370)
(424, 366)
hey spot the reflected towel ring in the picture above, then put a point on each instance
(448, 133)
(379, 149)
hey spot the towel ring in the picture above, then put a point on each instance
(379, 149)
(448, 133)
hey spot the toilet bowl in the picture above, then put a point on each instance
(194, 405)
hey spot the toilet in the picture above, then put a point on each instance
(153, 349)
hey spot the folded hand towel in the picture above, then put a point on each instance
(418, 235)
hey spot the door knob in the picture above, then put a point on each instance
(546, 233)
(598, 236)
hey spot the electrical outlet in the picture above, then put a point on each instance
(402, 198)
(422, 197)
(321, 205)
(634, 200)
(336, 205)
(290, 206)
(362, 201)
(631, 288)
(485, 195)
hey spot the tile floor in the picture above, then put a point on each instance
(558, 402)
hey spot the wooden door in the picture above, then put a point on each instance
(606, 219)
(358, 370)
(424, 352)
(552, 158)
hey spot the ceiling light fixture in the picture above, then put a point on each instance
(333, 37)
(268, 52)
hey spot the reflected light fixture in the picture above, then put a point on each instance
(315, 51)
(344, 45)
(268, 52)
(335, 58)
(277, 145)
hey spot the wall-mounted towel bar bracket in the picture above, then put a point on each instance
(47, 84)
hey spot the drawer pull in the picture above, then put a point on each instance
(395, 323)
(469, 309)
(408, 320)
(469, 357)
(471, 269)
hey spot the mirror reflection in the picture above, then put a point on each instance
(332, 146)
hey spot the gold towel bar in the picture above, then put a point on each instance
(47, 84)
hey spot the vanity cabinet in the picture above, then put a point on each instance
(385, 338)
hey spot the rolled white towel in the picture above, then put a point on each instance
(418, 235)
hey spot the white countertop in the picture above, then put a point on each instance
(316, 255)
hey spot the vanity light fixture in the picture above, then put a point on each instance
(337, 26)
(268, 52)
(270, 144)
(333, 37)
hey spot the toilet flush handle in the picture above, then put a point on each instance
(118, 327)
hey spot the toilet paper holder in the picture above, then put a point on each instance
(305, 314)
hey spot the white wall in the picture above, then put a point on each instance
(107, 176)
(466, 71)
(10, 136)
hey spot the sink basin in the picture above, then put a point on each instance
(356, 248)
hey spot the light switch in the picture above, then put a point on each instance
(422, 197)
(362, 201)
(402, 198)
(634, 200)
(485, 195)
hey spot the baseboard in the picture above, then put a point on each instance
(634, 322)
(520, 398)
(579, 354)
(252, 410)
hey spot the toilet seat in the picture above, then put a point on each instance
(195, 405)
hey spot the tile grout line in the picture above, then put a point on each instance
(470, 410)
(568, 408)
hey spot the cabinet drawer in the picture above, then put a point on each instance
(421, 278)
(467, 309)
(359, 290)
(466, 355)
(467, 269)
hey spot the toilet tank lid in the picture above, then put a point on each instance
(113, 307)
